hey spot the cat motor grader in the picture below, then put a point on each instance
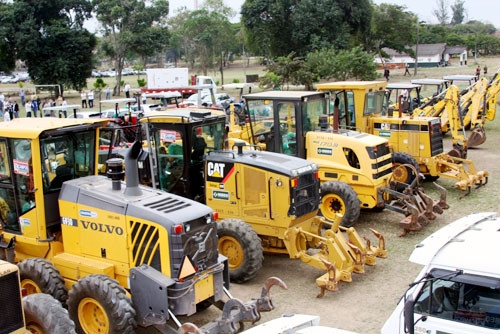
(416, 141)
(267, 202)
(355, 168)
(128, 254)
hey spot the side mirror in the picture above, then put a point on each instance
(408, 314)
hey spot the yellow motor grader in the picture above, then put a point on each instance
(129, 255)
(355, 168)
(266, 202)
(417, 141)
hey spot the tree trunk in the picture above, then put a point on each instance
(118, 71)
(221, 69)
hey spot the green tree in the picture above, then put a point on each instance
(125, 23)
(393, 27)
(458, 12)
(441, 12)
(278, 27)
(207, 38)
(49, 37)
(7, 41)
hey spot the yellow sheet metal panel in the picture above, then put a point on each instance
(76, 267)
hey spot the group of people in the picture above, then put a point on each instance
(87, 98)
(9, 108)
(478, 70)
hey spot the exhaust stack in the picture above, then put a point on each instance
(132, 171)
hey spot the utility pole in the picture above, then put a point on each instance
(416, 50)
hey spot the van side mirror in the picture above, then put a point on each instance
(408, 313)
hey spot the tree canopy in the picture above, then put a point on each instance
(49, 37)
(278, 27)
(128, 26)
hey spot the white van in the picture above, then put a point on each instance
(458, 290)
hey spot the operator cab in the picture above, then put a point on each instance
(66, 151)
(292, 111)
(406, 94)
(181, 144)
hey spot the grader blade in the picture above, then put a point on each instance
(235, 312)
(418, 207)
(340, 251)
(477, 137)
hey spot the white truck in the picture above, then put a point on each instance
(177, 79)
(458, 290)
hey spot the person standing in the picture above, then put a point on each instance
(22, 96)
(126, 89)
(143, 98)
(91, 98)
(485, 69)
(34, 106)
(83, 96)
(15, 107)
(108, 92)
(407, 69)
(386, 74)
(27, 107)
(478, 71)
(64, 103)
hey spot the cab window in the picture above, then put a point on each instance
(16, 187)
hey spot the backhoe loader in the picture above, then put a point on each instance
(266, 202)
(444, 105)
(355, 168)
(129, 255)
(415, 140)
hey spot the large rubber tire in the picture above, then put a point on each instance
(40, 276)
(45, 315)
(98, 304)
(401, 173)
(239, 242)
(339, 198)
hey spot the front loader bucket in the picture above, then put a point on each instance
(477, 137)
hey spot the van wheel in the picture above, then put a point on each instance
(45, 315)
(239, 242)
(339, 198)
(40, 276)
(98, 304)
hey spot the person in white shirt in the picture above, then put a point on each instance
(90, 97)
(126, 89)
(27, 107)
(83, 95)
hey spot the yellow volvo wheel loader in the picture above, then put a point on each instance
(416, 140)
(266, 202)
(129, 255)
(355, 168)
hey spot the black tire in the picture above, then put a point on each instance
(98, 304)
(401, 173)
(44, 314)
(239, 242)
(40, 276)
(339, 198)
